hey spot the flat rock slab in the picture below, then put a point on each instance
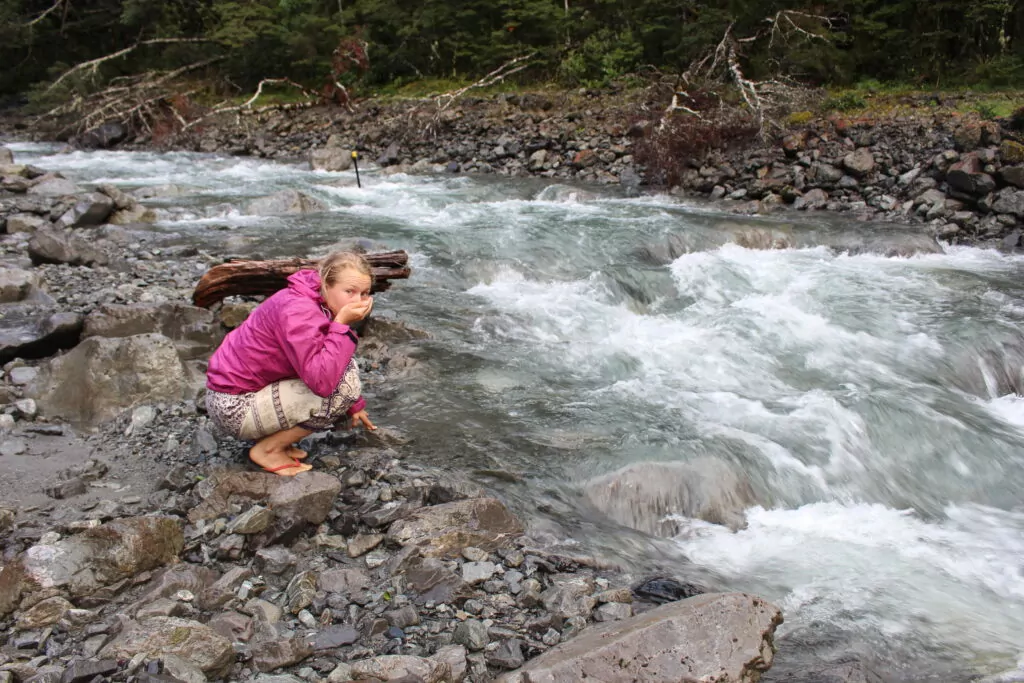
(308, 497)
(159, 636)
(711, 638)
(32, 332)
(445, 530)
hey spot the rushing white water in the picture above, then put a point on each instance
(869, 399)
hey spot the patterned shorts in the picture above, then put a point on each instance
(283, 405)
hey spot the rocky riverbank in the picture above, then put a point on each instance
(139, 546)
(956, 177)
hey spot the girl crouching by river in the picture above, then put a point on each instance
(289, 369)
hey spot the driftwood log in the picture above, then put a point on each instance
(239, 277)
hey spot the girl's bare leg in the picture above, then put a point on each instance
(272, 451)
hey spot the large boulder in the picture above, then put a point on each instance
(83, 563)
(1011, 175)
(136, 213)
(445, 530)
(330, 159)
(712, 638)
(158, 637)
(101, 377)
(653, 496)
(967, 176)
(28, 331)
(404, 667)
(52, 245)
(103, 136)
(296, 502)
(90, 209)
(1009, 201)
(194, 331)
(52, 184)
(25, 222)
(286, 201)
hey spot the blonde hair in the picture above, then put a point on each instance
(332, 265)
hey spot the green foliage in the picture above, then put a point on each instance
(867, 44)
(846, 101)
(602, 57)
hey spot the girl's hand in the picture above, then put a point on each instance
(354, 312)
(362, 418)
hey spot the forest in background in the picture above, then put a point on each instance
(372, 45)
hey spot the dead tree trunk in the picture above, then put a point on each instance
(239, 277)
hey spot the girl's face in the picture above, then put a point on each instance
(350, 286)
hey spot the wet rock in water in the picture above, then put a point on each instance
(661, 590)
(394, 667)
(159, 636)
(54, 185)
(194, 331)
(329, 158)
(444, 530)
(718, 638)
(284, 202)
(101, 377)
(644, 495)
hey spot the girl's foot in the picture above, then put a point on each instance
(277, 462)
(296, 453)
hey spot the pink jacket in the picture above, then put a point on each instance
(289, 335)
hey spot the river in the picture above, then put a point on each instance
(866, 392)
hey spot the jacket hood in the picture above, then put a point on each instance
(306, 283)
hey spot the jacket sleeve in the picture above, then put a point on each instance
(319, 349)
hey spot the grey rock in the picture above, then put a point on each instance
(472, 633)
(330, 159)
(508, 655)
(434, 582)
(1009, 201)
(363, 543)
(92, 208)
(455, 657)
(351, 583)
(716, 637)
(233, 626)
(478, 572)
(277, 654)
(1011, 175)
(6, 155)
(306, 499)
(613, 611)
(100, 377)
(27, 331)
(645, 496)
(52, 245)
(182, 669)
(25, 222)
(812, 199)
(54, 185)
(403, 617)
(334, 636)
(276, 560)
(401, 667)
(444, 530)
(17, 284)
(44, 613)
(84, 670)
(859, 162)
(195, 331)
(252, 521)
(198, 644)
(284, 202)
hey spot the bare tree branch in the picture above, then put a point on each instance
(45, 14)
(94, 64)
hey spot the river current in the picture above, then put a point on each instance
(863, 380)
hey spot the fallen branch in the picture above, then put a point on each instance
(247, 105)
(93, 64)
(501, 73)
(45, 14)
(237, 278)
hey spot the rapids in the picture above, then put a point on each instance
(863, 380)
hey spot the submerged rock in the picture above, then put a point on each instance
(645, 495)
(287, 201)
